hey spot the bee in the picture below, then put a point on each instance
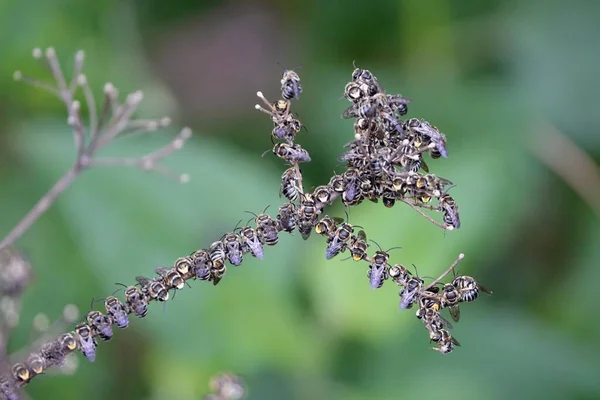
(184, 265)
(378, 269)
(409, 293)
(202, 264)
(266, 229)
(153, 288)
(116, 311)
(433, 319)
(450, 212)
(278, 111)
(307, 213)
(290, 85)
(68, 342)
(364, 109)
(136, 301)
(87, 342)
(353, 93)
(323, 194)
(434, 136)
(397, 103)
(286, 129)
(358, 245)
(469, 288)
(289, 184)
(366, 81)
(450, 297)
(21, 373)
(327, 225)
(444, 340)
(217, 272)
(217, 254)
(399, 274)
(286, 217)
(388, 198)
(170, 278)
(101, 324)
(338, 242)
(351, 194)
(233, 248)
(366, 126)
(291, 153)
(337, 184)
(36, 363)
(251, 242)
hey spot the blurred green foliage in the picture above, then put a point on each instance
(294, 326)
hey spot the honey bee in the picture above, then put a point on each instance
(388, 198)
(87, 342)
(202, 264)
(278, 111)
(338, 242)
(266, 229)
(68, 342)
(367, 82)
(290, 85)
(327, 225)
(409, 293)
(366, 126)
(36, 363)
(351, 195)
(358, 245)
(337, 183)
(469, 288)
(366, 108)
(116, 311)
(400, 274)
(450, 297)
(307, 213)
(101, 324)
(286, 217)
(289, 184)
(353, 93)
(444, 340)
(251, 242)
(136, 301)
(153, 288)
(378, 269)
(286, 129)
(21, 373)
(433, 135)
(170, 278)
(397, 103)
(217, 254)
(432, 319)
(450, 212)
(323, 194)
(184, 265)
(233, 248)
(291, 153)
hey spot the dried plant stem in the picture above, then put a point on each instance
(446, 272)
(41, 206)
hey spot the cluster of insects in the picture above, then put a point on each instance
(384, 161)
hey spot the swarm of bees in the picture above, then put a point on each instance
(383, 161)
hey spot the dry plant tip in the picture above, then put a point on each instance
(50, 53)
(79, 56)
(17, 75)
(37, 53)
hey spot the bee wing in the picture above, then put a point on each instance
(142, 280)
(455, 313)
(350, 112)
(424, 165)
(337, 220)
(362, 235)
(376, 276)
(484, 290)
(256, 248)
(161, 271)
(333, 249)
(445, 322)
(455, 342)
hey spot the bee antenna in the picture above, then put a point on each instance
(92, 303)
(393, 248)
(250, 212)
(354, 63)
(416, 271)
(358, 226)
(263, 154)
(97, 300)
(371, 240)
(115, 292)
(237, 225)
(347, 214)
(120, 284)
(281, 65)
(266, 208)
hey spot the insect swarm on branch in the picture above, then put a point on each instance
(384, 160)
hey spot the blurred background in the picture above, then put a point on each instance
(512, 84)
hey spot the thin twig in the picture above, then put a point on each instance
(414, 207)
(446, 272)
(41, 206)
